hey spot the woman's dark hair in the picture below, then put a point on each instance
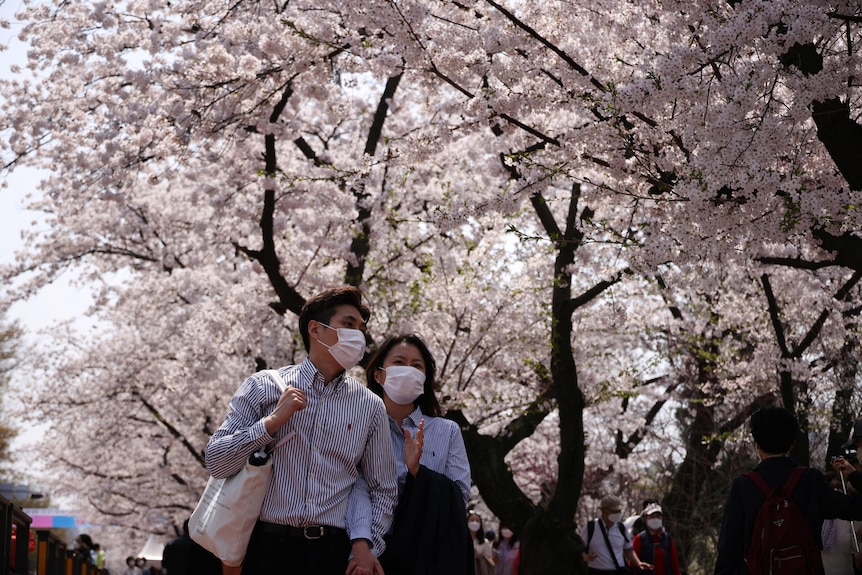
(427, 402)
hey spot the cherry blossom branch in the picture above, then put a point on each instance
(360, 245)
(196, 454)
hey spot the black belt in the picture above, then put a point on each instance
(309, 532)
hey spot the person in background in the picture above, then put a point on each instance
(483, 553)
(848, 461)
(335, 425)
(607, 544)
(774, 431)
(506, 550)
(176, 555)
(131, 567)
(98, 556)
(654, 545)
(84, 548)
(141, 564)
(635, 523)
(837, 536)
(429, 533)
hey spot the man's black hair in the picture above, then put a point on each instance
(322, 306)
(774, 429)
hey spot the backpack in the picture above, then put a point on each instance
(782, 542)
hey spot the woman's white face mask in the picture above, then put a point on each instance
(403, 383)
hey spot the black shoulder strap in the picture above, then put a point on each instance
(608, 543)
(623, 531)
(591, 528)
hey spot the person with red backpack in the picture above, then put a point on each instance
(774, 514)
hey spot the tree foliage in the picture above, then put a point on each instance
(10, 342)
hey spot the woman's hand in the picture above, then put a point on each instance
(413, 448)
(363, 561)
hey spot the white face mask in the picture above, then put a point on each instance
(614, 517)
(403, 383)
(506, 533)
(654, 523)
(473, 526)
(350, 347)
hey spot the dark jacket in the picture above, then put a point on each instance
(429, 534)
(815, 497)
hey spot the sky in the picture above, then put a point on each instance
(57, 302)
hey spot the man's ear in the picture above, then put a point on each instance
(314, 328)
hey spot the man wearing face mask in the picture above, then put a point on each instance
(336, 427)
(655, 546)
(607, 545)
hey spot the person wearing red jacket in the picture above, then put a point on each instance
(655, 546)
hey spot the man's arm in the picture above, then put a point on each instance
(242, 432)
(363, 554)
(457, 464)
(378, 467)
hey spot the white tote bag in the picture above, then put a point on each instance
(224, 517)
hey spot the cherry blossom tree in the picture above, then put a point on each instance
(585, 209)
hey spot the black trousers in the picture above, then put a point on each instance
(273, 553)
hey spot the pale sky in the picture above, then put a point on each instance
(57, 301)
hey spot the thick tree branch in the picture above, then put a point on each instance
(774, 315)
(594, 291)
(360, 245)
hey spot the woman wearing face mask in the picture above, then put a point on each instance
(506, 549)
(655, 546)
(483, 553)
(428, 533)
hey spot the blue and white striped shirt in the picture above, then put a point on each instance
(443, 451)
(340, 432)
